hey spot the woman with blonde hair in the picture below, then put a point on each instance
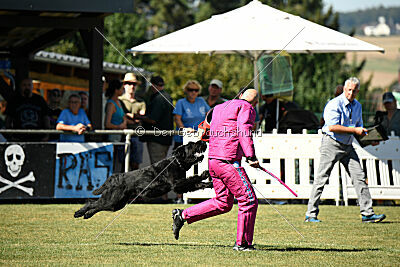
(189, 111)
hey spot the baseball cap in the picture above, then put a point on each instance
(216, 82)
(157, 80)
(388, 97)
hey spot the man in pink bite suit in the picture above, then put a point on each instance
(230, 140)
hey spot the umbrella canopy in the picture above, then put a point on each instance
(254, 29)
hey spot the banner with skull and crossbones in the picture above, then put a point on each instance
(14, 157)
(53, 170)
(19, 167)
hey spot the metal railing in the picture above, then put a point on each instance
(127, 132)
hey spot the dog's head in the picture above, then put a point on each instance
(190, 154)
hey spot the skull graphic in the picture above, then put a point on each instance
(14, 157)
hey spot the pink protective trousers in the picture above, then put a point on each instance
(229, 180)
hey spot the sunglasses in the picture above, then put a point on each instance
(130, 83)
(192, 89)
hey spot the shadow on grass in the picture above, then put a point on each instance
(172, 244)
(275, 248)
(258, 246)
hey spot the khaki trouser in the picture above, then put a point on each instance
(331, 152)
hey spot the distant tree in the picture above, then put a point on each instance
(233, 70)
(73, 45)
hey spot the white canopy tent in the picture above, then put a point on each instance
(253, 30)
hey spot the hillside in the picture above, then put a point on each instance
(383, 67)
(361, 18)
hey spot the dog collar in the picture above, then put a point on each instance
(179, 164)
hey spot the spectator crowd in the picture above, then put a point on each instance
(24, 109)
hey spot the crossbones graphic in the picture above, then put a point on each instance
(17, 184)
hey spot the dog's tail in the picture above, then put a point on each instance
(99, 190)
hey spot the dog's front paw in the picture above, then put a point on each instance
(208, 185)
(79, 213)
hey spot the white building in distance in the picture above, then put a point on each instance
(382, 29)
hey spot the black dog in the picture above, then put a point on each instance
(154, 180)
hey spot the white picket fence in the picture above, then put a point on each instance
(294, 158)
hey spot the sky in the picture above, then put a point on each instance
(353, 5)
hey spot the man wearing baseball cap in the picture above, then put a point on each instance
(214, 93)
(391, 120)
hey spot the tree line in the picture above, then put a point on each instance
(315, 76)
(357, 20)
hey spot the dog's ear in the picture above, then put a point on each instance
(179, 151)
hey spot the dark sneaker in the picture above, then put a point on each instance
(374, 218)
(177, 222)
(244, 247)
(312, 219)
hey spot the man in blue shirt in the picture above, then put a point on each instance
(343, 118)
(73, 119)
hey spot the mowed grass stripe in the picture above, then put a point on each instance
(49, 235)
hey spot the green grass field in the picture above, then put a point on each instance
(49, 235)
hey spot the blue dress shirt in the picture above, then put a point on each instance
(340, 111)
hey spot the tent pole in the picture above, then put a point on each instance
(255, 74)
(277, 113)
(256, 87)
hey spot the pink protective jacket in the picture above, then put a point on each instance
(230, 132)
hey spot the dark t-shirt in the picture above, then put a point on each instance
(268, 111)
(160, 110)
(53, 116)
(220, 100)
(27, 113)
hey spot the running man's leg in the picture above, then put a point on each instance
(242, 189)
(221, 203)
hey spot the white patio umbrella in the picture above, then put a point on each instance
(253, 30)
